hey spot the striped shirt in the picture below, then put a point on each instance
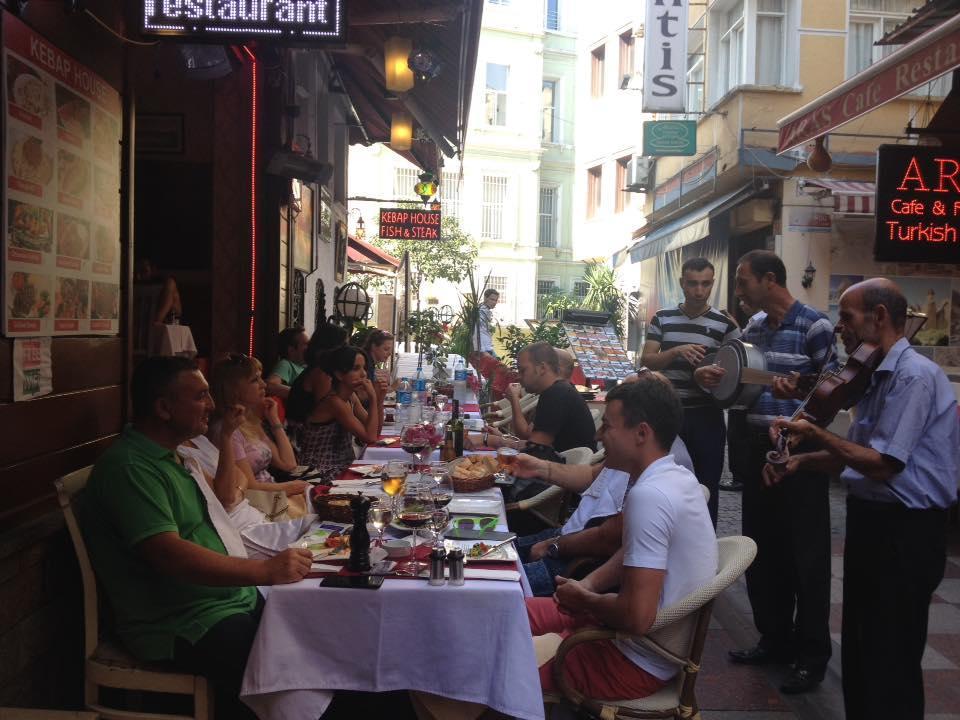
(672, 328)
(800, 344)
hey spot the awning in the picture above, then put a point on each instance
(923, 59)
(364, 257)
(851, 197)
(685, 230)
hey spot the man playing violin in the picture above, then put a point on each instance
(899, 464)
(789, 582)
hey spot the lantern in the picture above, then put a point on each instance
(396, 71)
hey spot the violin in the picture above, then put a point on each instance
(836, 390)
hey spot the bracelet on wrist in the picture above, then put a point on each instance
(277, 426)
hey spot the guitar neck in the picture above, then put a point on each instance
(752, 376)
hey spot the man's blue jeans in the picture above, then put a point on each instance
(540, 573)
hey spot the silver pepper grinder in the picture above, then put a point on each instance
(437, 566)
(455, 563)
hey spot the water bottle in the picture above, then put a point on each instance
(460, 381)
(404, 401)
(420, 386)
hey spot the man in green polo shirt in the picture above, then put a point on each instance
(176, 593)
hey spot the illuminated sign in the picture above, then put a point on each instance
(302, 21)
(918, 204)
(406, 224)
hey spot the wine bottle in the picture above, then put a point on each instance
(457, 426)
(448, 451)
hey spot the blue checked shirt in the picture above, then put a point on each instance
(800, 344)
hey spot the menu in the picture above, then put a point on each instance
(598, 350)
(61, 191)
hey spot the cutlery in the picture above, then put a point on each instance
(495, 548)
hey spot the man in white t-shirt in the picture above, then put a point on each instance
(485, 321)
(668, 549)
(601, 489)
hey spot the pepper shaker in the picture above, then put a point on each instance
(455, 561)
(437, 556)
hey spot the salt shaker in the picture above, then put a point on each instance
(437, 556)
(455, 561)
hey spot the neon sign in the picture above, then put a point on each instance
(300, 21)
(918, 204)
(404, 224)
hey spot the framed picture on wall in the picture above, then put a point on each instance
(340, 251)
(303, 257)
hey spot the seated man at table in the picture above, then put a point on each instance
(178, 596)
(601, 490)
(668, 550)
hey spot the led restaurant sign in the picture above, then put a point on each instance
(302, 21)
(918, 204)
(407, 224)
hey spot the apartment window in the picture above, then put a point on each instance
(499, 283)
(623, 179)
(546, 289)
(403, 181)
(496, 94)
(594, 184)
(548, 217)
(732, 49)
(551, 19)
(580, 289)
(450, 194)
(771, 41)
(870, 20)
(597, 57)
(549, 99)
(626, 57)
(696, 76)
(494, 193)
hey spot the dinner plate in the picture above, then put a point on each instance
(463, 505)
(507, 553)
(369, 471)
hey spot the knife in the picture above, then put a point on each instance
(495, 548)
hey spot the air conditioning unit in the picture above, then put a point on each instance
(640, 174)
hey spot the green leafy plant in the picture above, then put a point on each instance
(554, 303)
(603, 293)
(515, 339)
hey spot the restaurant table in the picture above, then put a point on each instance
(470, 643)
(172, 340)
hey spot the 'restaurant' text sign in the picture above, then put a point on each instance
(406, 224)
(918, 204)
(217, 20)
(665, 56)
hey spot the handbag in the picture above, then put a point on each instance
(276, 505)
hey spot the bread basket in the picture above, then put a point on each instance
(464, 482)
(333, 507)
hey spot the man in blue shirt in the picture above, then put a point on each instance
(899, 464)
(789, 582)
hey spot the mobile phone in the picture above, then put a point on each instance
(361, 582)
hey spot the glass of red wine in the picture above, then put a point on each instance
(418, 440)
(415, 511)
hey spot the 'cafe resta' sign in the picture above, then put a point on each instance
(918, 204)
(300, 21)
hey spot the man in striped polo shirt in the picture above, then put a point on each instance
(789, 582)
(677, 339)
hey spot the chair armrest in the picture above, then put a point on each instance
(571, 641)
(551, 493)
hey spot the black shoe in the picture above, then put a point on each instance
(758, 655)
(732, 486)
(801, 680)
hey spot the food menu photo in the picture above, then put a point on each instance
(598, 351)
(61, 206)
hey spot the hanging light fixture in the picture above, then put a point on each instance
(819, 160)
(359, 232)
(427, 187)
(396, 71)
(401, 130)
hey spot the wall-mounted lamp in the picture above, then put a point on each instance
(396, 71)
(358, 227)
(819, 160)
(425, 64)
(401, 130)
(427, 187)
(352, 303)
(808, 274)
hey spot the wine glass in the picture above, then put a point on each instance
(443, 486)
(415, 440)
(394, 479)
(439, 520)
(416, 510)
(441, 403)
(381, 514)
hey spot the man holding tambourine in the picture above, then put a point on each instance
(789, 582)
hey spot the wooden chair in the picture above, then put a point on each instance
(678, 634)
(106, 663)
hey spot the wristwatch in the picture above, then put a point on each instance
(553, 550)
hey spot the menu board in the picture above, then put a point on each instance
(598, 350)
(61, 199)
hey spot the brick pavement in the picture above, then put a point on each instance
(726, 691)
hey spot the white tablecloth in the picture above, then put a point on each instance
(172, 340)
(468, 643)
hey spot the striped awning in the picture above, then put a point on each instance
(850, 197)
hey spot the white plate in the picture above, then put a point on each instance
(464, 505)
(366, 470)
(507, 553)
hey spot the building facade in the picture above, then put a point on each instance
(759, 61)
